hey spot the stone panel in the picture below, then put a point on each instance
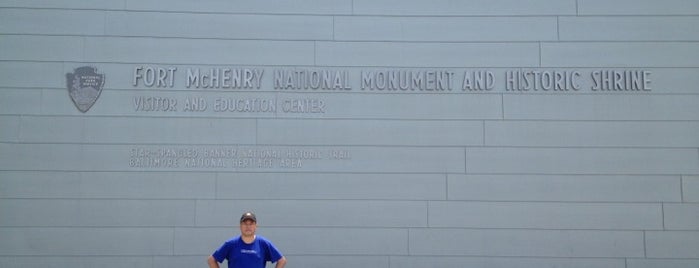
(76, 261)
(13, 75)
(602, 107)
(9, 132)
(628, 28)
(635, 7)
(690, 188)
(41, 48)
(315, 213)
(620, 54)
(606, 216)
(19, 101)
(399, 54)
(569, 188)
(263, 6)
(180, 261)
(40, 156)
(581, 161)
(98, 213)
(69, 4)
(653, 263)
(445, 29)
(169, 130)
(464, 8)
(112, 185)
(331, 186)
(502, 262)
(35, 129)
(219, 26)
(19, 241)
(210, 51)
(54, 22)
(681, 216)
(383, 132)
(672, 244)
(549, 243)
(592, 134)
(337, 260)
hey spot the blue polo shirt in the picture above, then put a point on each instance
(242, 255)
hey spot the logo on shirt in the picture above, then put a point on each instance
(248, 251)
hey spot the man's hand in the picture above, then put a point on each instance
(281, 262)
(212, 262)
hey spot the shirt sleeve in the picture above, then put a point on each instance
(274, 253)
(221, 253)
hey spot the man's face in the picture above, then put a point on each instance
(248, 227)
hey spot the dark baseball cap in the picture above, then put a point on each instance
(248, 216)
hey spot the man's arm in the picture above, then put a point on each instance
(281, 262)
(213, 263)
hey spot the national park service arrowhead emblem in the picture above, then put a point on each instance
(84, 87)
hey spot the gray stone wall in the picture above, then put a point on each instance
(359, 176)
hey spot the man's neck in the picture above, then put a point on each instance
(248, 239)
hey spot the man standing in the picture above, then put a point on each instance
(247, 250)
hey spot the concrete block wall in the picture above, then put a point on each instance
(491, 178)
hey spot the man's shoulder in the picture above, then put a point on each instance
(233, 240)
(263, 239)
(264, 242)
